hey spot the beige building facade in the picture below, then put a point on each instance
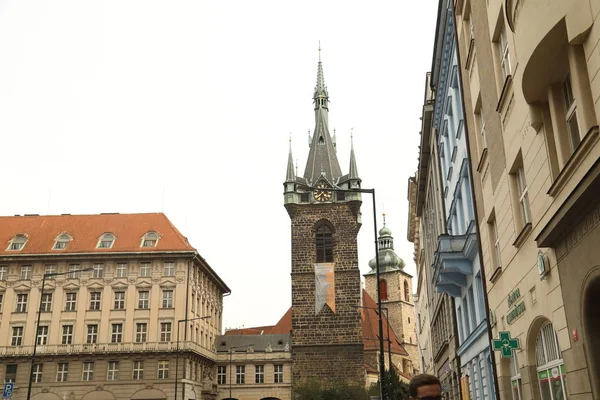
(109, 331)
(529, 72)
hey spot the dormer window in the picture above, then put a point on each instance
(18, 243)
(150, 239)
(106, 241)
(61, 242)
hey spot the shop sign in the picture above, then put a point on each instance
(514, 296)
(505, 344)
(515, 312)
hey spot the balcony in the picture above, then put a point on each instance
(453, 261)
(106, 348)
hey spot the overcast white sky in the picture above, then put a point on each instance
(105, 103)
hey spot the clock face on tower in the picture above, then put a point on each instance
(322, 193)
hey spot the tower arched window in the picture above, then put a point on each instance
(406, 292)
(383, 289)
(324, 244)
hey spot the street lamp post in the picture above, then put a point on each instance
(380, 321)
(177, 352)
(37, 325)
(230, 362)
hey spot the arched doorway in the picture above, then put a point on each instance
(550, 370)
(591, 325)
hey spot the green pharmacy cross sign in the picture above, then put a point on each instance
(506, 344)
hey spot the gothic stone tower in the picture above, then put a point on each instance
(396, 295)
(326, 292)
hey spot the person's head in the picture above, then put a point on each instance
(425, 387)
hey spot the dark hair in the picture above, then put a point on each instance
(421, 380)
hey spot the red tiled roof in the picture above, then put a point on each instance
(370, 325)
(285, 323)
(86, 230)
(258, 330)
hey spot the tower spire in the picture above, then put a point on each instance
(290, 176)
(353, 172)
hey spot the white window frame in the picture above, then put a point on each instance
(122, 270)
(523, 196)
(38, 370)
(119, 300)
(141, 332)
(21, 305)
(112, 371)
(67, 334)
(47, 302)
(62, 372)
(71, 301)
(138, 370)
(106, 241)
(25, 272)
(278, 373)
(221, 375)
(259, 373)
(515, 378)
(163, 369)
(17, 243)
(240, 374)
(546, 343)
(3, 272)
(167, 298)
(496, 243)
(503, 49)
(166, 331)
(570, 112)
(74, 275)
(145, 269)
(143, 299)
(42, 335)
(17, 336)
(116, 335)
(150, 239)
(92, 334)
(61, 242)
(98, 270)
(88, 371)
(95, 301)
(169, 268)
(50, 269)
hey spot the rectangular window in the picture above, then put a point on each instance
(42, 335)
(1, 301)
(571, 113)
(88, 371)
(113, 371)
(523, 196)
(37, 372)
(163, 370)
(3, 272)
(67, 334)
(221, 375)
(165, 331)
(145, 269)
(25, 272)
(98, 271)
(141, 332)
(122, 270)
(324, 244)
(259, 374)
(11, 373)
(143, 299)
(169, 269)
(50, 269)
(47, 302)
(117, 333)
(21, 303)
(138, 370)
(167, 299)
(71, 302)
(278, 377)
(17, 336)
(95, 300)
(119, 300)
(62, 372)
(74, 273)
(92, 333)
(472, 310)
(240, 374)
(504, 54)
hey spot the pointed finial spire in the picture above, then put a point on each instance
(321, 97)
(309, 138)
(296, 167)
(319, 51)
(384, 217)
(290, 176)
(353, 173)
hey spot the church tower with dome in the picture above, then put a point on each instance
(396, 295)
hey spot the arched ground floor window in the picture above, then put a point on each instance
(551, 372)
